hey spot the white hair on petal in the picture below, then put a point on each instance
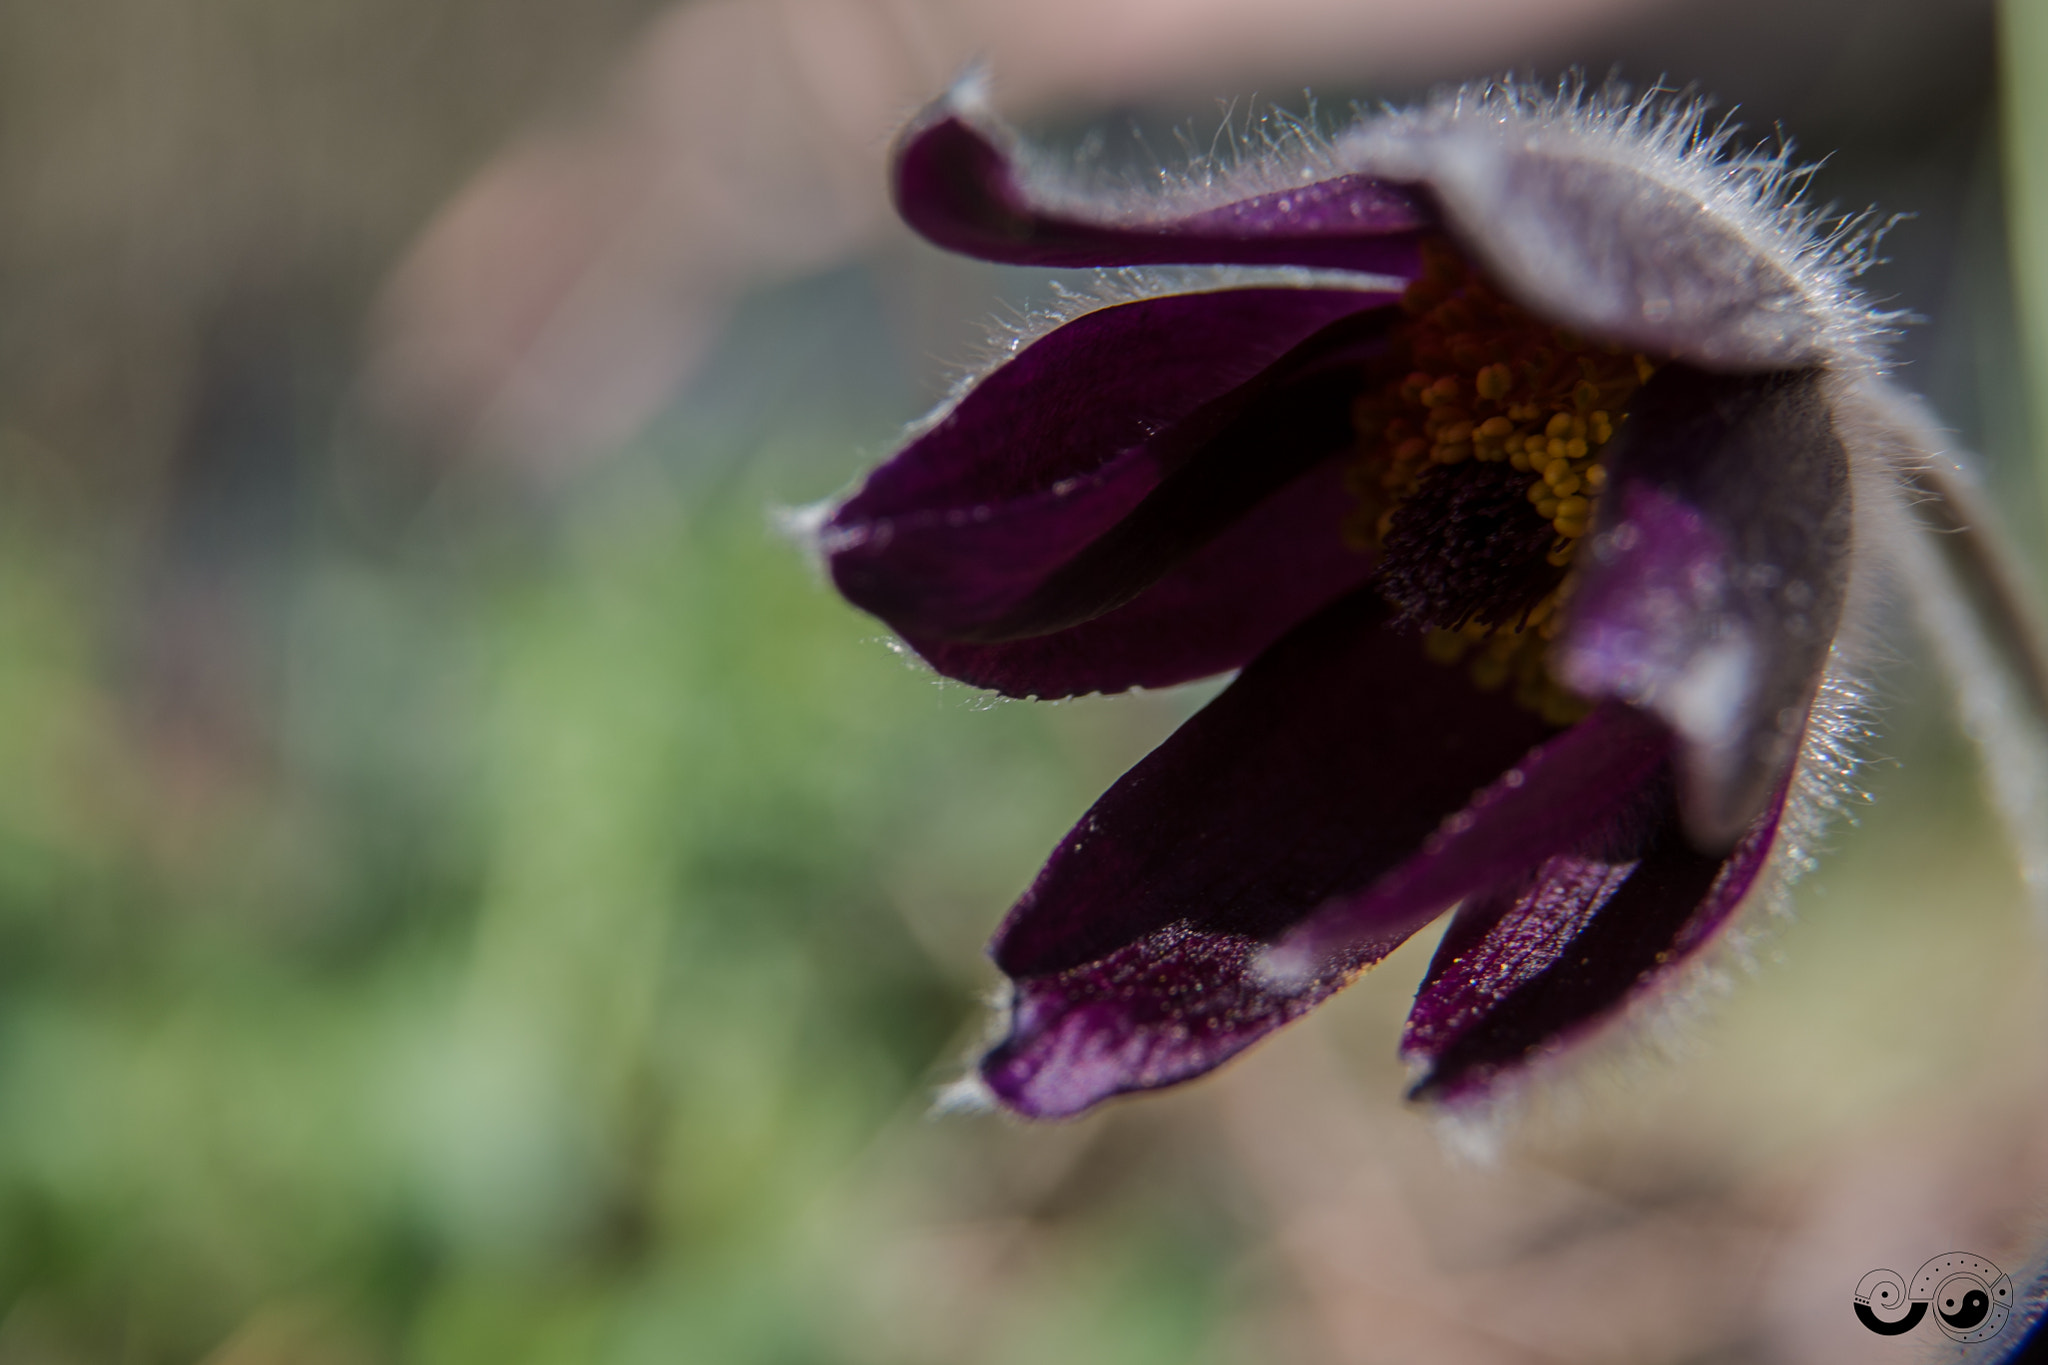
(966, 1094)
(1670, 137)
(1273, 150)
(803, 526)
(1663, 134)
(1667, 135)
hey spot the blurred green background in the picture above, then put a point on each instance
(454, 910)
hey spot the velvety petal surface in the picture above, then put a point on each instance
(1281, 563)
(1523, 970)
(1558, 797)
(957, 182)
(1101, 458)
(1592, 234)
(1329, 762)
(1714, 580)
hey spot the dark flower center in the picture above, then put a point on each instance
(1465, 548)
(1478, 469)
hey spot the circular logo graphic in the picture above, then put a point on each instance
(1969, 1298)
(1883, 1291)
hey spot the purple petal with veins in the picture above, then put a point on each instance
(1524, 970)
(1285, 560)
(1071, 480)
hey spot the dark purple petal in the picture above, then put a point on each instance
(1101, 457)
(1498, 941)
(1571, 790)
(1520, 972)
(1328, 762)
(1593, 242)
(1283, 562)
(958, 185)
(1713, 583)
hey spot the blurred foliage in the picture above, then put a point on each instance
(618, 898)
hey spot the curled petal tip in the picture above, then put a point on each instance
(962, 180)
(969, 1094)
(804, 526)
(967, 101)
(971, 91)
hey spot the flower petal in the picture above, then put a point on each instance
(1084, 470)
(1610, 237)
(1559, 797)
(1521, 971)
(957, 182)
(1283, 562)
(1329, 761)
(1714, 583)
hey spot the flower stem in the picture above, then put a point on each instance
(2023, 48)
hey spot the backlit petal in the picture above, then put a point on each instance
(957, 181)
(1714, 582)
(1592, 229)
(1522, 971)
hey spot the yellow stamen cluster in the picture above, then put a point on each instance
(1496, 656)
(1471, 376)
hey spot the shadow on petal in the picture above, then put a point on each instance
(1342, 755)
(1526, 970)
(1101, 458)
(1276, 566)
(1714, 581)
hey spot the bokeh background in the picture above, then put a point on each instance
(470, 894)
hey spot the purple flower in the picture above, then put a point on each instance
(1527, 456)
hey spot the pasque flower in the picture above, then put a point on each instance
(1531, 457)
